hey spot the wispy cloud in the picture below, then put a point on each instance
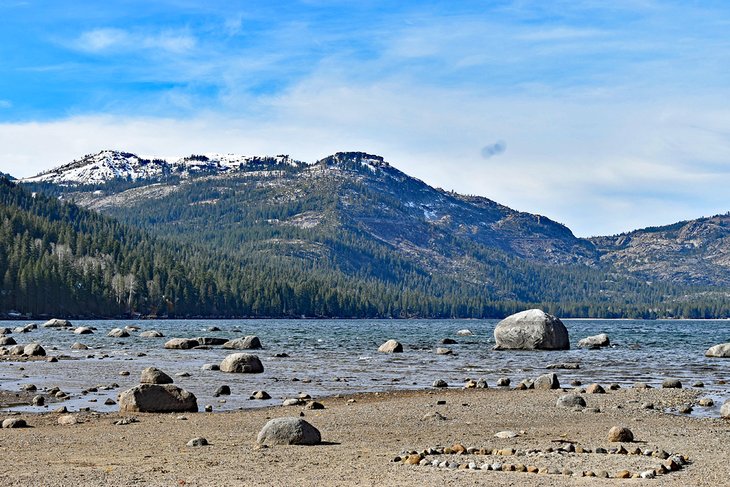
(106, 40)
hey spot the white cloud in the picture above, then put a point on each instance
(114, 40)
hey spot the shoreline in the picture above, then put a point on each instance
(363, 433)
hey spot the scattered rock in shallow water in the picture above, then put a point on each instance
(182, 374)
(391, 346)
(440, 383)
(595, 341)
(571, 401)
(208, 408)
(719, 351)
(685, 409)
(614, 387)
(118, 333)
(260, 395)
(155, 398)
(200, 441)
(448, 341)
(547, 382)
(29, 387)
(151, 334)
(641, 385)
(56, 323)
(706, 402)
(464, 333)
(292, 401)
(532, 329)
(210, 367)
(213, 328)
(153, 375)
(109, 402)
(595, 389)
(5, 340)
(38, 401)
(671, 384)
(223, 390)
(698, 384)
(620, 434)
(250, 342)
(61, 410)
(242, 363)
(14, 423)
(181, 343)
(288, 431)
(79, 346)
(575, 383)
(124, 373)
(564, 365)
(444, 351)
(210, 341)
(34, 350)
(503, 382)
(83, 330)
(314, 405)
(281, 355)
(725, 409)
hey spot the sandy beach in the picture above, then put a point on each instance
(363, 435)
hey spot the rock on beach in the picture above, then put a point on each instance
(391, 346)
(288, 431)
(245, 363)
(532, 329)
(155, 398)
(153, 375)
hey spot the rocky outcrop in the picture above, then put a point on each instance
(391, 346)
(595, 341)
(288, 431)
(531, 330)
(719, 351)
(244, 363)
(155, 398)
(250, 342)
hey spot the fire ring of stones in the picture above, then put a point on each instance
(459, 457)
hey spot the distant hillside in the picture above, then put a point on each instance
(351, 235)
(689, 252)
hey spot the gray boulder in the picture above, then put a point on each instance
(7, 341)
(14, 423)
(83, 330)
(153, 375)
(288, 431)
(391, 346)
(56, 323)
(181, 343)
(155, 398)
(16, 350)
(34, 350)
(719, 351)
(245, 363)
(547, 381)
(151, 334)
(671, 384)
(207, 341)
(595, 341)
(250, 342)
(118, 333)
(571, 401)
(532, 329)
(79, 346)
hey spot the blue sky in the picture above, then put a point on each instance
(605, 116)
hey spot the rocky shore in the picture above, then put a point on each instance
(368, 440)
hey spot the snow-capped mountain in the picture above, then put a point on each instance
(108, 165)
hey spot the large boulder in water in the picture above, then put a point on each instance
(155, 398)
(34, 350)
(719, 351)
(153, 375)
(531, 330)
(244, 363)
(250, 342)
(181, 343)
(288, 431)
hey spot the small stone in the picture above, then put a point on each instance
(314, 405)
(614, 387)
(503, 382)
(685, 409)
(504, 435)
(38, 401)
(109, 402)
(199, 441)
(208, 408)
(124, 373)
(440, 383)
(28, 387)
(641, 385)
(261, 395)
(444, 351)
(61, 410)
(699, 384)
(223, 390)
(647, 474)
(547, 381)
(67, 420)
(570, 401)
(706, 402)
(595, 389)
(576, 383)
(433, 416)
(620, 434)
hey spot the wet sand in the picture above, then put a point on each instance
(363, 434)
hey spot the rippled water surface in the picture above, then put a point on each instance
(328, 357)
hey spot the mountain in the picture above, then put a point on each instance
(108, 165)
(7, 176)
(351, 235)
(689, 252)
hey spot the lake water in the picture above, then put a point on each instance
(328, 357)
